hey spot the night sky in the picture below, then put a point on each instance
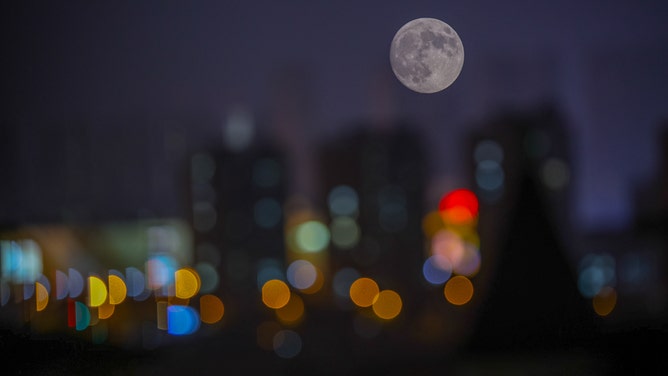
(102, 68)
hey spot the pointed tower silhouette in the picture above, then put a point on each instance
(533, 303)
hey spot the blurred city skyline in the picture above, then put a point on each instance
(160, 79)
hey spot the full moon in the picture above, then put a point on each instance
(426, 55)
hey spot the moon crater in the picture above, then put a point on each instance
(426, 55)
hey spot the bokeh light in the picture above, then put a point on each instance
(209, 277)
(458, 290)
(267, 212)
(287, 344)
(312, 236)
(291, 313)
(182, 320)
(75, 283)
(595, 272)
(41, 296)
(387, 305)
(437, 269)
(82, 316)
(211, 309)
(186, 283)
(364, 291)
(432, 223)
(343, 201)
(458, 207)
(301, 274)
(105, 310)
(135, 281)
(117, 288)
(275, 293)
(268, 269)
(605, 301)
(555, 174)
(97, 291)
(345, 232)
(61, 285)
(160, 271)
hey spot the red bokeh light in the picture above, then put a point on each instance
(459, 206)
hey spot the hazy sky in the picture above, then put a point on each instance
(605, 63)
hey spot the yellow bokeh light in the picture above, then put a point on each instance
(458, 290)
(387, 305)
(211, 309)
(105, 310)
(186, 283)
(364, 291)
(41, 296)
(605, 301)
(292, 312)
(97, 291)
(117, 289)
(275, 293)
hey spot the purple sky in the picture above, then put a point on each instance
(605, 63)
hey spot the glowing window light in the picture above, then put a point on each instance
(61, 285)
(266, 173)
(312, 236)
(75, 283)
(135, 281)
(287, 344)
(387, 305)
(342, 281)
(97, 291)
(469, 264)
(275, 294)
(186, 283)
(345, 232)
(459, 206)
(211, 309)
(208, 276)
(268, 269)
(160, 271)
(301, 274)
(82, 316)
(267, 213)
(364, 291)
(555, 174)
(488, 150)
(437, 269)
(605, 301)
(5, 293)
(41, 296)
(182, 320)
(432, 223)
(292, 312)
(265, 334)
(105, 311)
(117, 288)
(458, 290)
(343, 201)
